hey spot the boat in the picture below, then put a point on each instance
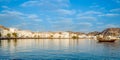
(103, 40)
(106, 39)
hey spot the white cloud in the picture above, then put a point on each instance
(50, 7)
(63, 27)
(112, 26)
(108, 26)
(97, 7)
(89, 15)
(110, 15)
(85, 24)
(115, 10)
(12, 12)
(46, 3)
(66, 12)
(30, 3)
(93, 15)
(34, 17)
(61, 24)
(93, 12)
(91, 18)
(21, 25)
(61, 21)
(11, 15)
(16, 15)
(5, 7)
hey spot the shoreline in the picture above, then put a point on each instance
(40, 38)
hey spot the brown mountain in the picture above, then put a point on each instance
(93, 33)
(2, 27)
(111, 32)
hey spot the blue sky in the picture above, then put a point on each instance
(60, 15)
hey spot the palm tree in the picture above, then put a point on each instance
(15, 35)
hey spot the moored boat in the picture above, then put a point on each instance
(103, 40)
(106, 39)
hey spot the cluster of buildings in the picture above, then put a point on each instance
(8, 32)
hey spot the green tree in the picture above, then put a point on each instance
(75, 37)
(15, 35)
(60, 34)
(0, 34)
(8, 35)
(51, 36)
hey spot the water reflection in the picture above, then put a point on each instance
(58, 48)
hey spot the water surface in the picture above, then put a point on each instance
(58, 49)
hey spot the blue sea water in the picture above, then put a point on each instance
(58, 49)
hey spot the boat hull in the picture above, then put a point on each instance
(107, 40)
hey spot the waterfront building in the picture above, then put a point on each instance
(29, 34)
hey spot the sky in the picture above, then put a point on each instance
(60, 15)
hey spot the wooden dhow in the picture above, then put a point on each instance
(106, 39)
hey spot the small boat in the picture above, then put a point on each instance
(112, 40)
(106, 39)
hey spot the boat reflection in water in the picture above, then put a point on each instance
(61, 49)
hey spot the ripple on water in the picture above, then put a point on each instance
(59, 50)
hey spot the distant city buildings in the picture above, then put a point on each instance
(16, 33)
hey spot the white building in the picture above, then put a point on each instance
(29, 34)
(24, 33)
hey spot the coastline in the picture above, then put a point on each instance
(41, 38)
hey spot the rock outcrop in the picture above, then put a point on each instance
(93, 33)
(111, 32)
(4, 28)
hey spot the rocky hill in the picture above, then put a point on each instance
(2, 27)
(93, 33)
(107, 32)
(111, 31)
